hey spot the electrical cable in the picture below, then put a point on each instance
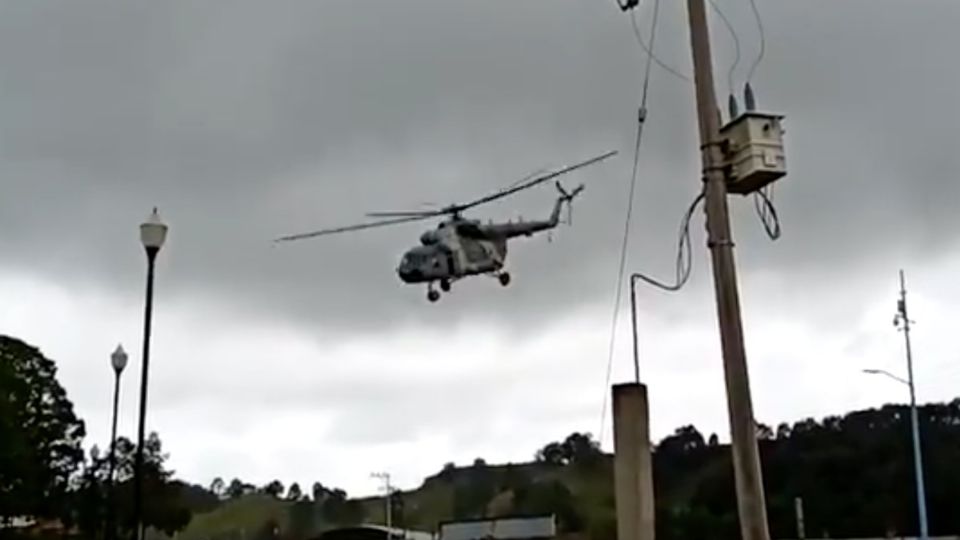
(649, 50)
(763, 40)
(763, 197)
(621, 268)
(736, 45)
(763, 204)
(684, 252)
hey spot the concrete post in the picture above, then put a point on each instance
(633, 467)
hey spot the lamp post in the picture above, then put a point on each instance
(152, 235)
(118, 359)
(900, 318)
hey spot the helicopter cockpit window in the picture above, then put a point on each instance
(415, 258)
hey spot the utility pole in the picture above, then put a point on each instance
(902, 317)
(387, 511)
(798, 509)
(746, 459)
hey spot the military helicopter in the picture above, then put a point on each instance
(460, 247)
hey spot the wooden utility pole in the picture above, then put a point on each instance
(746, 459)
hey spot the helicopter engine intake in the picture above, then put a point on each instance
(429, 238)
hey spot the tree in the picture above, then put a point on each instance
(274, 489)
(576, 449)
(294, 493)
(551, 454)
(764, 432)
(449, 469)
(40, 433)
(236, 489)
(479, 462)
(217, 487)
(319, 492)
(167, 503)
(581, 449)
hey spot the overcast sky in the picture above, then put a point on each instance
(246, 120)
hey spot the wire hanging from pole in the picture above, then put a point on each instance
(684, 261)
(641, 120)
(763, 204)
(648, 50)
(763, 40)
(736, 45)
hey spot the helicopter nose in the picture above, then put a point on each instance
(409, 275)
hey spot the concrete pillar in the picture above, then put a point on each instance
(632, 465)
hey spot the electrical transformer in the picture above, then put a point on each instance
(753, 151)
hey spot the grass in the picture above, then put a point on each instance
(424, 508)
(239, 518)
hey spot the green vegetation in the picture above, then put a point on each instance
(853, 472)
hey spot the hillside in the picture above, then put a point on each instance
(853, 472)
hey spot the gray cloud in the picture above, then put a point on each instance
(246, 121)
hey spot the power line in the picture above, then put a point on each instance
(736, 45)
(649, 50)
(641, 120)
(763, 40)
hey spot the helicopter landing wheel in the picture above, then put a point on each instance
(504, 278)
(445, 285)
(433, 295)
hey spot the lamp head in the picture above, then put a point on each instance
(153, 232)
(119, 359)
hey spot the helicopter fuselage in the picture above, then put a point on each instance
(458, 248)
(455, 249)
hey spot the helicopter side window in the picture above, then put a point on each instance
(474, 250)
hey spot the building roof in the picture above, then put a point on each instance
(373, 532)
(502, 528)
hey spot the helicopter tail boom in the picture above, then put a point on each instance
(528, 228)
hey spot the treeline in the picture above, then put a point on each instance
(854, 474)
(46, 478)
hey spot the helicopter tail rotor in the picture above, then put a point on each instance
(567, 197)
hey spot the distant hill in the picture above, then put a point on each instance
(853, 472)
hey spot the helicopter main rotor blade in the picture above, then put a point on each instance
(348, 228)
(530, 183)
(413, 213)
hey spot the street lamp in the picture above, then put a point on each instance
(119, 361)
(901, 319)
(152, 235)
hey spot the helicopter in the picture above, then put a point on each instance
(459, 247)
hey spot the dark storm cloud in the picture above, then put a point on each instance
(247, 120)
